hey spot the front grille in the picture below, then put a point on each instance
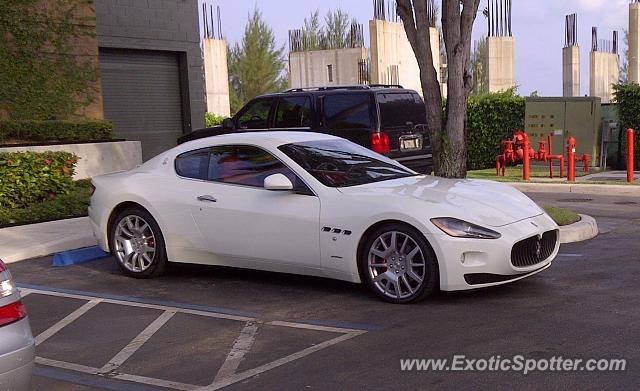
(531, 251)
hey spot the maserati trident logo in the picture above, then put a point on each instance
(538, 249)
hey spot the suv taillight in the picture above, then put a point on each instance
(380, 142)
(12, 313)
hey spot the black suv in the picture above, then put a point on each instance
(385, 118)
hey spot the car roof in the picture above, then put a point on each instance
(351, 89)
(274, 138)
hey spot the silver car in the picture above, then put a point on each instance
(17, 346)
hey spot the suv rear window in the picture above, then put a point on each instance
(396, 109)
(347, 111)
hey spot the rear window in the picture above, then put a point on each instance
(347, 111)
(396, 109)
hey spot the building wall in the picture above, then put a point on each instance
(311, 68)
(634, 42)
(216, 77)
(159, 25)
(390, 48)
(501, 69)
(604, 73)
(571, 71)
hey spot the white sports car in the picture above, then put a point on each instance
(308, 203)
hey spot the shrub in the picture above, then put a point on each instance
(55, 130)
(212, 119)
(28, 177)
(492, 118)
(627, 96)
(74, 204)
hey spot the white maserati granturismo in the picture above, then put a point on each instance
(314, 204)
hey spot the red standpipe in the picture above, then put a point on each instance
(571, 157)
(630, 163)
(525, 158)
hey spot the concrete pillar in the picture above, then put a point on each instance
(392, 55)
(317, 68)
(634, 43)
(604, 73)
(571, 71)
(501, 70)
(216, 77)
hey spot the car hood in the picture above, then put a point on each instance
(477, 201)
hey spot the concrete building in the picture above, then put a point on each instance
(571, 59)
(604, 67)
(501, 48)
(392, 57)
(151, 69)
(216, 76)
(328, 67)
(634, 42)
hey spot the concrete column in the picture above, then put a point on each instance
(634, 42)
(390, 48)
(501, 71)
(216, 77)
(571, 71)
(311, 68)
(604, 73)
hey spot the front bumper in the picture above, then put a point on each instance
(478, 263)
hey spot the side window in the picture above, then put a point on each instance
(293, 112)
(247, 165)
(256, 115)
(193, 164)
(347, 111)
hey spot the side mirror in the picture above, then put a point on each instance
(277, 182)
(228, 124)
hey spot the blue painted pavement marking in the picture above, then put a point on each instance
(74, 257)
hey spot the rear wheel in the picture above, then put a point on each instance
(137, 244)
(399, 264)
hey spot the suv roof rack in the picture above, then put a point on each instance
(385, 86)
(345, 87)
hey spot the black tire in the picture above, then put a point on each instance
(159, 259)
(430, 272)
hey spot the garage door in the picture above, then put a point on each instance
(141, 92)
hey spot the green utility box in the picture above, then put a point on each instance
(565, 117)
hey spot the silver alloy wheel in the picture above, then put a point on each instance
(135, 244)
(396, 265)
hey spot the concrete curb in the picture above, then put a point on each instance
(576, 188)
(584, 229)
(37, 240)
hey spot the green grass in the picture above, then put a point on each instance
(561, 216)
(63, 206)
(514, 174)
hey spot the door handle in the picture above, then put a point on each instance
(207, 198)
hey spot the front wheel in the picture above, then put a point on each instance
(137, 244)
(399, 265)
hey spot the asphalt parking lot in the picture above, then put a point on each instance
(212, 328)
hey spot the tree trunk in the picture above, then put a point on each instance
(448, 138)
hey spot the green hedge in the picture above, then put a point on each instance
(491, 119)
(212, 120)
(29, 177)
(627, 96)
(58, 130)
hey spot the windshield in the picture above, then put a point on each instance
(340, 163)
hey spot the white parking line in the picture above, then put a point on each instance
(225, 376)
(136, 343)
(241, 346)
(284, 360)
(66, 320)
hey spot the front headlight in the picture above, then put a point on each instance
(462, 229)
